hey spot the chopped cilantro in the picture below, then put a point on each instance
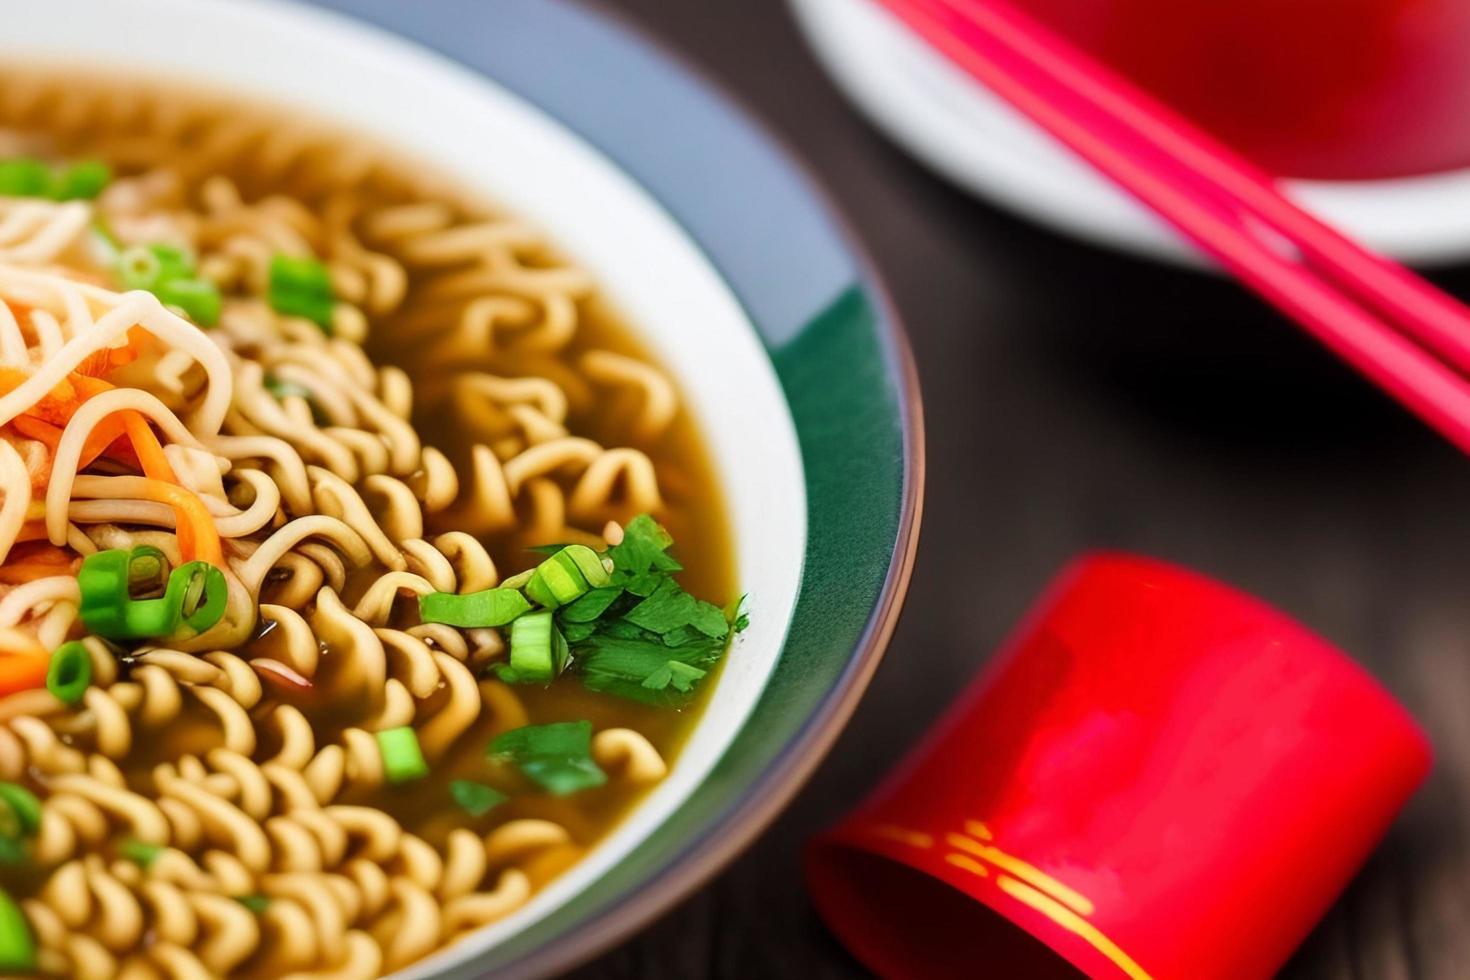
(674, 673)
(642, 636)
(592, 605)
(474, 798)
(644, 549)
(671, 608)
(556, 757)
(644, 669)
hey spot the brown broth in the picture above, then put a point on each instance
(695, 512)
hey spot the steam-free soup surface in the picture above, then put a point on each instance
(300, 371)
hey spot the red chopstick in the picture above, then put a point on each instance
(1383, 319)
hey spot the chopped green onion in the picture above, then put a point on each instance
(198, 298)
(403, 759)
(203, 594)
(492, 607)
(566, 576)
(301, 287)
(285, 389)
(255, 903)
(29, 177)
(173, 262)
(111, 244)
(17, 946)
(140, 853)
(194, 598)
(70, 673)
(147, 572)
(81, 181)
(553, 584)
(10, 829)
(138, 267)
(13, 851)
(588, 562)
(24, 177)
(168, 272)
(474, 798)
(538, 651)
(557, 757)
(518, 580)
(25, 805)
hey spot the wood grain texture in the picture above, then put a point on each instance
(1077, 400)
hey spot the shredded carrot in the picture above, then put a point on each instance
(150, 452)
(41, 554)
(41, 431)
(45, 421)
(104, 440)
(109, 359)
(56, 406)
(23, 672)
(37, 559)
(23, 662)
(198, 538)
(19, 573)
(32, 531)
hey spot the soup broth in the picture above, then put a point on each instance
(425, 397)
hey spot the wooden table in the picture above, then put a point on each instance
(1078, 399)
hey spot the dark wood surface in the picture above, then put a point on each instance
(1078, 399)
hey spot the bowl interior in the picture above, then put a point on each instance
(428, 108)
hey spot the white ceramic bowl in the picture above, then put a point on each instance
(415, 101)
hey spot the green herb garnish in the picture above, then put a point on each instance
(301, 287)
(556, 757)
(140, 853)
(255, 903)
(474, 798)
(403, 759)
(30, 177)
(17, 945)
(168, 272)
(643, 637)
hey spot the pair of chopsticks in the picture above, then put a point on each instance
(1400, 331)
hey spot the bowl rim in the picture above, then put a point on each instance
(734, 814)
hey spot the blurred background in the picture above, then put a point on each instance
(1079, 399)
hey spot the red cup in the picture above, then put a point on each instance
(1159, 778)
(1312, 88)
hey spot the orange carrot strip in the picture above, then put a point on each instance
(109, 359)
(23, 663)
(198, 538)
(100, 441)
(45, 554)
(23, 672)
(109, 439)
(37, 429)
(150, 452)
(37, 559)
(32, 531)
(19, 573)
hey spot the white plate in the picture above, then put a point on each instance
(957, 127)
